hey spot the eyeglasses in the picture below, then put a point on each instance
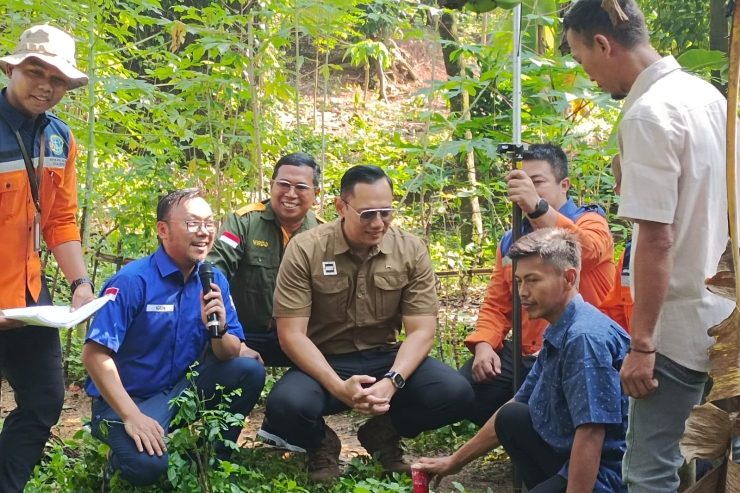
(368, 215)
(194, 226)
(285, 186)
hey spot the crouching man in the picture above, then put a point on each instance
(565, 428)
(344, 291)
(142, 343)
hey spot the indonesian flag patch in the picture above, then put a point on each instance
(111, 292)
(230, 239)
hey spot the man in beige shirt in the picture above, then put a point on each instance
(343, 293)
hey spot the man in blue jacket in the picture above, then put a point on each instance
(143, 342)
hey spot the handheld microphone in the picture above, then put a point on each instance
(205, 272)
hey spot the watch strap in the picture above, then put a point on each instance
(542, 208)
(221, 332)
(78, 282)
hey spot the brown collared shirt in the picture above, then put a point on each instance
(354, 305)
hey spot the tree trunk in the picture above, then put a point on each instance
(448, 32)
(381, 79)
(718, 36)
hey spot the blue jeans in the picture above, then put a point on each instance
(142, 469)
(656, 423)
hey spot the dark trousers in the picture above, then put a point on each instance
(435, 395)
(31, 362)
(491, 395)
(268, 345)
(537, 462)
(142, 469)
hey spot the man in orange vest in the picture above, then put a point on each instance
(38, 199)
(541, 190)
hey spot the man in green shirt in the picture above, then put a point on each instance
(251, 244)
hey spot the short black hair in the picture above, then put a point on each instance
(560, 248)
(299, 159)
(554, 155)
(172, 199)
(363, 173)
(587, 19)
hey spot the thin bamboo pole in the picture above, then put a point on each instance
(90, 169)
(732, 105)
(323, 128)
(257, 157)
(298, 64)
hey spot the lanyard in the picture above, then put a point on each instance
(34, 179)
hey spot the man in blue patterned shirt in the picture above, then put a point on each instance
(564, 430)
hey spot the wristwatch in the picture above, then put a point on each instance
(541, 208)
(221, 332)
(82, 280)
(396, 378)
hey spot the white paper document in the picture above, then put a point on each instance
(55, 316)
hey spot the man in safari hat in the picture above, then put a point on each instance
(38, 199)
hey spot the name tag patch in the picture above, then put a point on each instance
(330, 268)
(160, 308)
(626, 280)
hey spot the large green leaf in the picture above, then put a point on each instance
(700, 59)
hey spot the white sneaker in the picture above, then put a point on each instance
(276, 441)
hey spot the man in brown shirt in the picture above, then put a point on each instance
(343, 293)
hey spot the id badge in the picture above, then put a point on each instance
(37, 232)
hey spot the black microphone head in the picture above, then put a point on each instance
(206, 270)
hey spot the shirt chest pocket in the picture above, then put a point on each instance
(12, 188)
(330, 297)
(260, 272)
(388, 294)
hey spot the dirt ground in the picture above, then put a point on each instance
(477, 477)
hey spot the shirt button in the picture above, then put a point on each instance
(7, 185)
(359, 324)
(359, 295)
(357, 341)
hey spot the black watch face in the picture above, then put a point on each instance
(398, 380)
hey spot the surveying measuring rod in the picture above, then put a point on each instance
(516, 222)
(514, 152)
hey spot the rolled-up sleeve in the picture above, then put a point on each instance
(650, 172)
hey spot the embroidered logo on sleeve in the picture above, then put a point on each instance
(160, 308)
(56, 145)
(230, 239)
(330, 268)
(111, 292)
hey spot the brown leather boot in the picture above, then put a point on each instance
(378, 435)
(323, 461)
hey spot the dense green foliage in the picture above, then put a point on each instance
(210, 93)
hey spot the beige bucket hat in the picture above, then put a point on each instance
(50, 45)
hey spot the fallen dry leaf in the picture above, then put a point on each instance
(710, 482)
(708, 433)
(732, 485)
(723, 283)
(725, 358)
